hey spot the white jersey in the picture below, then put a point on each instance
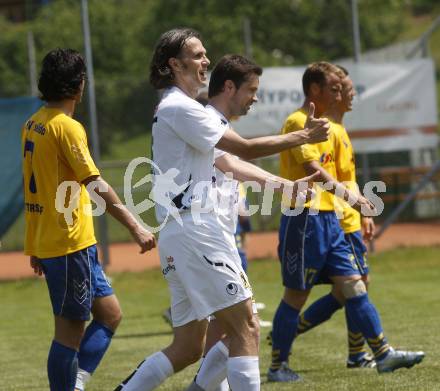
(227, 188)
(184, 136)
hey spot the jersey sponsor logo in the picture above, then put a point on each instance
(34, 208)
(232, 289)
(326, 158)
(40, 129)
(29, 124)
(170, 267)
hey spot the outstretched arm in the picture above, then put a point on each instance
(114, 206)
(245, 171)
(316, 130)
(356, 200)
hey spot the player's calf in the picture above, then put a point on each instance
(243, 329)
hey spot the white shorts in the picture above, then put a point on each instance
(202, 267)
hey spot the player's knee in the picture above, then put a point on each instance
(353, 288)
(366, 280)
(338, 294)
(247, 332)
(112, 319)
(295, 298)
(255, 330)
(116, 320)
(253, 327)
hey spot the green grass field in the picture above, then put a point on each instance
(404, 287)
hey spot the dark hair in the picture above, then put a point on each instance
(62, 73)
(232, 67)
(170, 45)
(317, 73)
(344, 70)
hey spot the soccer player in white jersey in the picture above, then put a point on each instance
(232, 88)
(202, 269)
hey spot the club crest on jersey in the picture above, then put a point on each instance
(170, 259)
(326, 158)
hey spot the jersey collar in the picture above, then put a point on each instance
(225, 122)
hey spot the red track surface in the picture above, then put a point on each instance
(126, 257)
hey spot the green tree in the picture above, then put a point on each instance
(14, 71)
(124, 32)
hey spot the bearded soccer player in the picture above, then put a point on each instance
(352, 224)
(312, 244)
(62, 246)
(202, 270)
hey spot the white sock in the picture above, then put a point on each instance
(82, 377)
(244, 373)
(150, 374)
(213, 370)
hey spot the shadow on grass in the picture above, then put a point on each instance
(143, 335)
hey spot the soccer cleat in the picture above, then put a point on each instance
(283, 375)
(366, 361)
(396, 359)
(269, 338)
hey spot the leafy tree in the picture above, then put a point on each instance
(124, 32)
(14, 79)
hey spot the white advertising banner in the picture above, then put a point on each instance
(395, 107)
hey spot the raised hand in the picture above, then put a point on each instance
(364, 206)
(316, 129)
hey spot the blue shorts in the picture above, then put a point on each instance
(359, 250)
(74, 281)
(313, 246)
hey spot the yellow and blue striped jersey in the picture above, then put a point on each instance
(55, 150)
(346, 172)
(291, 161)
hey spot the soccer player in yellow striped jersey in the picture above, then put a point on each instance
(350, 223)
(386, 359)
(62, 246)
(312, 247)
